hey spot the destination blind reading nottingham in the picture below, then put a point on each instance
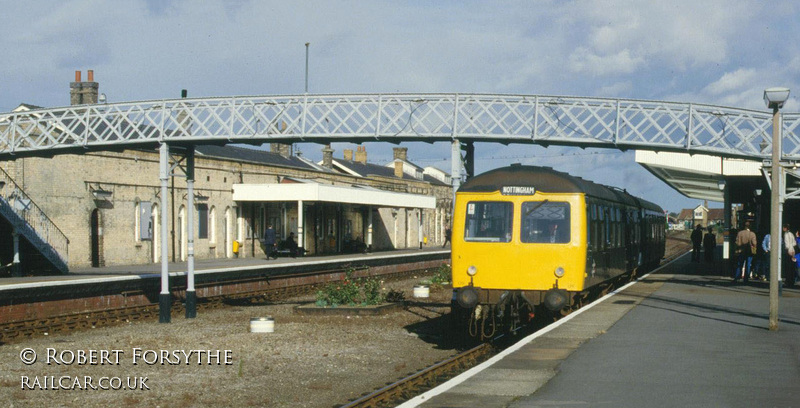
(517, 190)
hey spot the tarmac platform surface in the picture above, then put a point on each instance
(683, 336)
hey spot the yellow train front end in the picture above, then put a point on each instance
(513, 250)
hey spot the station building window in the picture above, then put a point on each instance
(143, 221)
(202, 221)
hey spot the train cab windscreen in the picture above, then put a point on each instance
(545, 222)
(488, 221)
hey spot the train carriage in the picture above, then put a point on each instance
(526, 237)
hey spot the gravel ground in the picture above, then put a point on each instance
(309, 361)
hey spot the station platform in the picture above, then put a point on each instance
(682, 336)
(208, 266)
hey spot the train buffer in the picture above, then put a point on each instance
(685, 335)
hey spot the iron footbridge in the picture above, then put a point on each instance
(532, 119)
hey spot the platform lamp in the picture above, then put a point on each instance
(775, 98)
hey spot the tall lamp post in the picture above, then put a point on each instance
(775, 98)
(307, 44)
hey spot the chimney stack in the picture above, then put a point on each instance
(283, 149)
(398, 169)
(327, 157)
(348, 154)
(83, 93)
(361, 154)
(400, 153)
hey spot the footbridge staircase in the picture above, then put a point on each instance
(27, 235)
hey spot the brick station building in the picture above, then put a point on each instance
(107, 203)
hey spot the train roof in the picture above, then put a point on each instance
(547, 180)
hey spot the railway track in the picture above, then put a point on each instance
(421, 381)
(304, 284)
(430, 377)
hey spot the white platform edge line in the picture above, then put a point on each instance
(422, 398)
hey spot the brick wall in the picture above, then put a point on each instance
(62, 186)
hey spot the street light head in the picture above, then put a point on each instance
(775, 97)
(721, 185)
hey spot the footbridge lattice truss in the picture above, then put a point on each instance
(533, 119)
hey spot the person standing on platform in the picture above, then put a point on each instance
(269, 242)
(763, 270)
(746, 246)
(709, 243)
(447, 233)
(697, 242)
(789, 243)
(791, 278)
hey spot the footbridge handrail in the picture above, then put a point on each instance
(14, 199)
(537, 119)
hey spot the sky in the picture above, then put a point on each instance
(711, 52)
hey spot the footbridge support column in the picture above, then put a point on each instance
(469, 159)
(16, 265)
(191, 295)
(455, 168)
(726, 223)
(164, 297)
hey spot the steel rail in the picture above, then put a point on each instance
(431, 376)
(532, 119)
(436, 374)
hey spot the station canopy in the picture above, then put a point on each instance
(701, 176)
(315, 192)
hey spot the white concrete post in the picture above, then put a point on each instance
(301, 243)
(369, 228)
(16, 266)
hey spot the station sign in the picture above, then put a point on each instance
(517, 190)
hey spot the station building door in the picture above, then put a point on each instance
(96, 231)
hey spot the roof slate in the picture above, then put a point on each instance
(253, 156)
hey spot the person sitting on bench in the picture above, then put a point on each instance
(291, 245)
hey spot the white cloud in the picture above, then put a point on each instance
(624, 88)
(719, 52)
(584, 61)
(732, 81)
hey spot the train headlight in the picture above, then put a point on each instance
(559, 272)
(472, 270)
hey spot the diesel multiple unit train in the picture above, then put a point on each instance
(528, 240)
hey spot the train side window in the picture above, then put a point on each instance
(488, 221)
(612, 228)
(545, 222)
